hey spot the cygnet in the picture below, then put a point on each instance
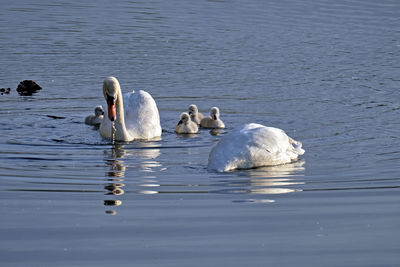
(96, 118)
(186, 125)
(194, 114)
(213, 120)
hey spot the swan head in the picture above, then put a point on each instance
(110, 90)
(193, 109)
(184, 118)
(98, 111)
(214, 113)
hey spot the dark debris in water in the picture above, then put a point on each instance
(5, 91)
(28, 87)
(55, 117)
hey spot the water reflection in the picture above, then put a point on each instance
(258, 182)
(142, 156)
(282, 179)
(147, 153)
(286, 170)
(114, 189)
(117, 174)
(217, 132)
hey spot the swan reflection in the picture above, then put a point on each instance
(272, 191)
(116, 171)
(148, 154)
(115, 189)
(286, 170)
(150, 184)
(142, 156)
(273, 180)
(112, 202)
(148, 192)
(122, 157)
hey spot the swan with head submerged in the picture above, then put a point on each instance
(253, 145)
(135, 114)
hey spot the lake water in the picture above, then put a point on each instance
(327, 72)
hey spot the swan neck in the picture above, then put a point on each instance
(121, 133)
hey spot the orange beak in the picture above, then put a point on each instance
(112, 112)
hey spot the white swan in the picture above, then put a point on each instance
(213, 121)
(195, 115)
(96, 118)
(253, 145)
(186, 125)
(135, 114)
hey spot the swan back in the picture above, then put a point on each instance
(253, 145)
(142, 119)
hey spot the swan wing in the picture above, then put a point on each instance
(142, 119)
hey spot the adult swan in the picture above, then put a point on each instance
(135, 115)
(253, 145)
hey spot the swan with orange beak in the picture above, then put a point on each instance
(134, 115)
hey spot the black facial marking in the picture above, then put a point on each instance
(110, 98)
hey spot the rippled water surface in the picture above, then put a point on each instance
(327, 72)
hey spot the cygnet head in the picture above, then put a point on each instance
(193, 109)
(110, 90)
(184, 118)
(214, 113)
(98, 111)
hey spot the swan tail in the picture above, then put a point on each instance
(297, 146)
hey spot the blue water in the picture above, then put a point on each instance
(325, 72)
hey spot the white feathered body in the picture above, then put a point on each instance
(142, 120)
(253, 145)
